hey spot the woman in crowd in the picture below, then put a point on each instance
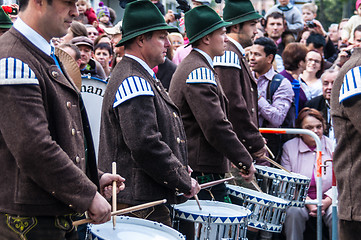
(103, 38)
(299, 157)
(103, 54)
(311, 76)
(303, 35)
(176, 39)
(76, 29)
(294, 61)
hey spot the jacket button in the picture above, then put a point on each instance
(251, 89)
(68, 105)
(73, 132)
(178, 140)
(250, 147)
(175, 115)
(253, 110)
(70, 205)
(243, 140)
(77, 159)
(165, 182)
(55, 74)
(53, 193)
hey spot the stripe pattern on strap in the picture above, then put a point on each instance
(132, 87)
(15, 72)
(351, 85)
(201, 75)
(229, 59)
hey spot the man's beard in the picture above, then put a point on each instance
(246, 42)
(244, 39)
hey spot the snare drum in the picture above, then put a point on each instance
(129, 228)
(216, 220)
(92, 92)
(288, 186)
(269, 212)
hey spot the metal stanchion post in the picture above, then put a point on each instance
(319, 163)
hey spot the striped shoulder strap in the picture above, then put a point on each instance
(351, 85)
(201, 75)
(16, 72)
(229, 59)
(132, 87)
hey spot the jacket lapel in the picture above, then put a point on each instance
(63, 79)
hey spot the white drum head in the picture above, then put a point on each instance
(128, 228)
(92, 92)
(219, 212)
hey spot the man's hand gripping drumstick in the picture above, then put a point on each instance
(248, 176)
(194, 190)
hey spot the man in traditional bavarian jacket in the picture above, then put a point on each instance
(46, 150)
(141, 128)
(346, 117)
(236, 78)
(196, 90)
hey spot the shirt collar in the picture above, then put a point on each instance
(268, 75)
(238, 45)
(288, 7)
(141, 62)
(209, 59)
(279, 41)
(34, 37)
(304, 148)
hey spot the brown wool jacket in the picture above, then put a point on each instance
(211, 139)
(145, 136)
(241, 91)
(346, 117)
(41, 137)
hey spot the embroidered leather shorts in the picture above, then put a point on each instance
(43, 227)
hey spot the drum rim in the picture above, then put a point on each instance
(274, 228)
(88, 77)
(274, 200)
(146, 223)
(296, 177)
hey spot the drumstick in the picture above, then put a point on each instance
(197, 200)
(124, 211)
(114, 171)
(254, 183)
(276, 164)
(213, 183)
(269, 151)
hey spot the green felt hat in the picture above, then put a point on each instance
(5, 21)
(238, 11)
(201, 21)
(141, 17)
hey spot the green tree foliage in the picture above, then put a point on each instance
(332, 11)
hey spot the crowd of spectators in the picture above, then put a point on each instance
(283, 24)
